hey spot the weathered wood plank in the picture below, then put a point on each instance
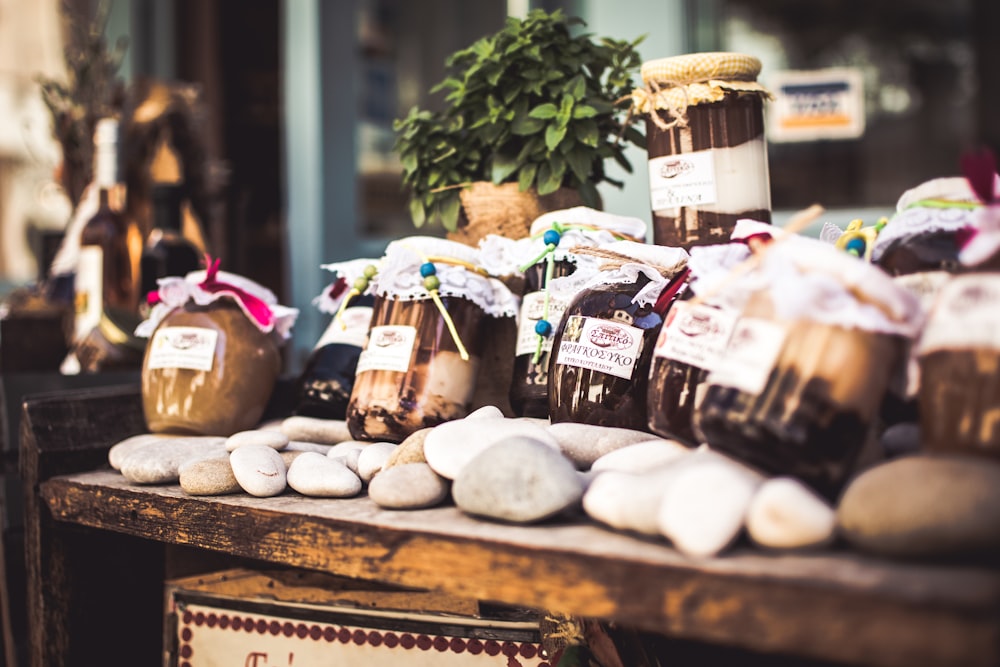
(835, 606)
(94, 597)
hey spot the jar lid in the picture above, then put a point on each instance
(206, 286)
(577, 226)
(456, 267)
(678, 82)
(812, 280)
(349, 275)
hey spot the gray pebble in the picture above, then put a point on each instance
(519, 480)
(272, 439)
(408, 486)
(158, 462)
(451, 445)
(208, 477)
(311, 429)
(122, 449)
(260, 470)
(319, 476)
(584, 443)
(371, 459)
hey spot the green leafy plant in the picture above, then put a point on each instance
(532, 104)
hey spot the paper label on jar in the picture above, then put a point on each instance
(925, 285)
(750, 355)
(350, 328)
(533, 310)
(88, 288)
(965, 316)
(685, 179)
(695, 334)
(192, 348)
(389, 349)
(600, 345)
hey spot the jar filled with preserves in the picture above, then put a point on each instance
(325, 384)
(420, 363)
(808, 363)
(693, 339)
(604, 343)
(959, 359)
(545, 255)
(213, 356)
(705, 139)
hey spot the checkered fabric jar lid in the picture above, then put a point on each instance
(678, 82)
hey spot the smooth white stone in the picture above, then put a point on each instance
(786, 514)
(311, 429)
(272, 439)
(585, 443)
(313, 474)
(122, 449)
(342, 448)
(159, 462)
(705, 503)
(408, 486)
(519, 480)
(485, 411)
(627, 501)
(641, 457)
(372, 458)
(453, 444)
(260, 470)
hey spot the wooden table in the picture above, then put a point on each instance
(96, 564)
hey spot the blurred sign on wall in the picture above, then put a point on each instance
(816, 105)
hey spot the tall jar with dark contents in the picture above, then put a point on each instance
(420, 363)
(543, 256)
(959, 359)
(604, 344)
(325, 384)
(705, 139)
(213, 355)
(808, 363)
(693, 339)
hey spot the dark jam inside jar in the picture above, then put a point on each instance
(602, 328)
(418, 378)
(934, 251)
(529, 387)
(813, 412)
(691, 341)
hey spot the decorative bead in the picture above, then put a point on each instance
(431, 283)
(551, 238)
(370, 271)
(543, 327)
(856, 245)
(427, 269)
(361, 283)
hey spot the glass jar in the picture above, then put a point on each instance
(213, 356)
(705, 140)
(959, 359)
(604, 344)
(207, 371)
(420, 363)
(808, 363)
(692, 340)
(552, 237)
(529, 387)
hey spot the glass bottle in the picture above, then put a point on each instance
(166, 252)
(105, 279)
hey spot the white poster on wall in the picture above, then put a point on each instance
(812, 105)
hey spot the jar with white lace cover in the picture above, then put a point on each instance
(544, 255)
(420, 363)
(808, 363)
(604, 343)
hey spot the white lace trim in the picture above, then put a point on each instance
(175, 292)
(808, 279)
(350, 271)
(399, 275)
(920, 220)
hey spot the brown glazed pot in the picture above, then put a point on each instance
(228, 398)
